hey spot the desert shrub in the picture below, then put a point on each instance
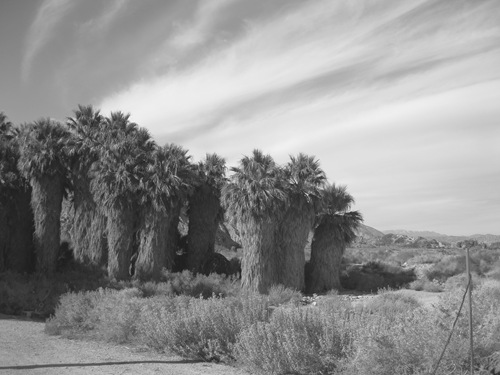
(390, 302)
(200, 328)
(40, 294)
(481, 262)
(365, 255)
(426, 258)
(186, 283)
(74, 313)
(486, 320)
(105, 314)
(376, 275)
(294, 341)
(426, 285)
(403, 255)
(399, 343)
(116, 316)
(279, 295)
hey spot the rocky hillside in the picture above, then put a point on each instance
(480, 238)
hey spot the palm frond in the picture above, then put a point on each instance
(42, 149)
(256, 187)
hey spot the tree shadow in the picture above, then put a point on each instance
(55, 365)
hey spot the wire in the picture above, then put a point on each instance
(452, 328)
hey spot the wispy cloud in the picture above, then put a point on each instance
(322, 49)
(98, 25)
(196, 31)
(49, 15)
(374, 89)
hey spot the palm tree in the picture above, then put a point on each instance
(304, 179)
(334, 230)
(205, 211)
(254, 198)
(42, 162)
(16, 217)
(165, 188)
(89, 224)
(117, 177)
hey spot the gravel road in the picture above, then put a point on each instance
(26, 349)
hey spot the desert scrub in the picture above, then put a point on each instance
(426, 285)
(390, 302)
(186, 283)
(373, 276)
(200, 328)
(105, 314)
(294, 341)
(486, 319)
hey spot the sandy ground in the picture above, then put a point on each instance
(26, 349)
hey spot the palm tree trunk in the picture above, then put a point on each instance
(46, 202)
(173, 235)
(4, 236)
(98, 238)
(258, 269)
(120, 228)
(22, 252)
(327, 250)
(89, 245)
(203, 213)
(153, 241)
(292, 239)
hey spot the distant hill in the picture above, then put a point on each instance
(481, 238)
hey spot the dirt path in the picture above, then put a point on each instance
(26, 349)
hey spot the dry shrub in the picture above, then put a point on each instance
(373, 276)
(186, 283)
(279, 295)
(104, 314)
(200, 328)
(425, 285)
(294, 341)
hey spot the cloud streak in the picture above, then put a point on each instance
(319, 50)
(49, 15)
(393, 97)
(98, 25)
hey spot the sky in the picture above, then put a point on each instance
(399, 100)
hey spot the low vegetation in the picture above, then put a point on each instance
(273, 334)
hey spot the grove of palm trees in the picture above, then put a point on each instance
(126, 194)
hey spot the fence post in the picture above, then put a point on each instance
(471, 338)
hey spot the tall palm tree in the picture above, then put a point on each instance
(8, 178)
(334, 229)
(89, 224)
(254, 198)
(205, 211)
(117, 176)
(304, 179)
(42, 162)
(16, 217)
(164, 189)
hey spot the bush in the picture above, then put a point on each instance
(389, 302)
(108, 315)
(198, 328)
(482, 261)
(279, 295)
(376, 275)
(294, 341)
(40, 294)
(186, 283)
(425, 285)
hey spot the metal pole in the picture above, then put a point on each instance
(469, 278)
